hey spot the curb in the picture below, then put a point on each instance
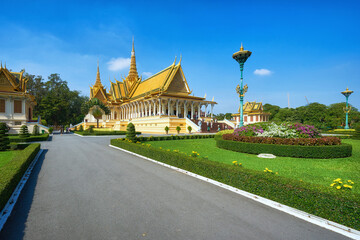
(5, 213)
(333, 226)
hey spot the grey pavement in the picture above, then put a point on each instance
(83, 189)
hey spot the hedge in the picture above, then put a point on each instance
(172, 137)
(12, 172)
(32, 138)
(99, 133)
(337, 206)
(332, 151)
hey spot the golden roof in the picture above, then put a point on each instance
(252, 107)
(12, 81)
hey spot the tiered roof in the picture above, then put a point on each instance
(12, 81)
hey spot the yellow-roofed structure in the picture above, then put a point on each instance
(161, 100)
(253, 112)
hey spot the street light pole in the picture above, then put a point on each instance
(241, 57)
(347, 109)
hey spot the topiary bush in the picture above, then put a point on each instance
(51, 129)
(75, 128)
(81, 128)
(189, 129)
(24, 132)
(130, 132)
(178, 129)
(36, 130)
(357, 134)
(167, 129)
(4, 139)
(91, 129)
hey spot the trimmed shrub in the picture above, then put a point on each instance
(43, 137)
(75, 128)
(81, 128)
(189, 129)
(178, 129)
(36, 130)
(4, 139)
(357, 134)
(130, 132)
(314, 199)
(12, 172)
(167, 129)
(332, 151)
(24, 132)
(91, 129)
(51, 129)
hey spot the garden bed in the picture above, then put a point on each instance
(299, 151)
(13, 170)
(339, 206)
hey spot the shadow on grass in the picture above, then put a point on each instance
(14, 228)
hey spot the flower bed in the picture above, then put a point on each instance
(298, 151)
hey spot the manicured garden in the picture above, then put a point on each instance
(314, 171)
(30, 138)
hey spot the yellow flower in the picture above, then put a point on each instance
(338, 187)
(240, 164)
(331, 185)
(160, 147)
(264, 170)
(234, 162)
(349, 186)
(345, 185)
(349, 181)
(276, 173)
(338, 179)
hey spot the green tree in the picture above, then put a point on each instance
(4, 139)
(272, 109)
(96, 108)
(130, 132)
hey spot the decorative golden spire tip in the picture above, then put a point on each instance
(241, 48)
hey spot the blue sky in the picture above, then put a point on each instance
(300, 48)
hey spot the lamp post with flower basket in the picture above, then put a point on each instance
(347, 109)
(241, 57)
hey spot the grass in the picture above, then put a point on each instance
(314, 171)
(6, 156)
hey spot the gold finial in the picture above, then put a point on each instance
(133, 74)
(241, 48)
(180, 59)
(5, 65)
(133, 46)
(98, 81)
(174, 61)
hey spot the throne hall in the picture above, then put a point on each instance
(161, 100)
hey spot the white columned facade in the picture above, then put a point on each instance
(177, 108)
(199, 110)
(159, 107)
(205, 109)
(192, 110)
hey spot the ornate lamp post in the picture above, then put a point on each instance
(347, 109)
(241, 57)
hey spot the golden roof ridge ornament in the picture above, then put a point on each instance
(180, 59)
(98, 80)
(174, 61)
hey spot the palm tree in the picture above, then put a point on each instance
(97, 112)
(96, 108)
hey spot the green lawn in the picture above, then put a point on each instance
(317, 171)
(6, 156)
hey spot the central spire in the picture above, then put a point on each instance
(133, 74)
(98, 81)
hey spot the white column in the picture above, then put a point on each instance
(192, 110)
(199, 110)
(205, 109)
(169, 106)
(212, 107)
(185, 109)
(155, 110)
(149, 105)
(177, 108)
(159, 107)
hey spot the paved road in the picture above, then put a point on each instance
(83, 189)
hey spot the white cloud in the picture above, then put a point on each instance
(120, 63)
(262, 72)
(147, 74)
